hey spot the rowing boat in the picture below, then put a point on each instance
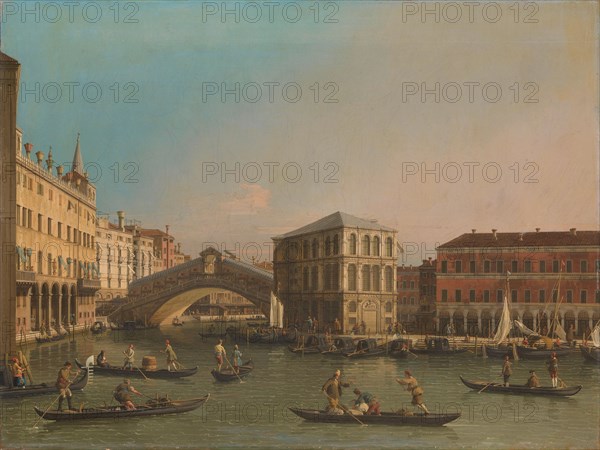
(43, 388)
(385, 418)
(230, 375)
(591, 353)
(118, 412)
(537, 353)
(140, 372)
(515, 389)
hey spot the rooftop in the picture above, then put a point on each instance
(533, 239)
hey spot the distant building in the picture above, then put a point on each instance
(408, 282)
(339, 267)
(425, 323)
(472, 272)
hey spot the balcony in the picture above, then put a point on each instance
(25, 276)
(84, 283)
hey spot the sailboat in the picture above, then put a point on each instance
(592, 353)
(502, 331)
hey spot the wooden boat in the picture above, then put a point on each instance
(525, 390)
(364, 348)
(98, 327)
(591, 353)
(127, 326)
(265, 337)
(438, 346)
(177, 323)
(141, 373)
(399, 348)
(386, 418)
(499, 352)
(308, 344)
(338, 346)
(55, 338)
(44, 388)
(153, 408)
(542, 353)
(229, 375)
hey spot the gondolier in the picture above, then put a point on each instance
(128, 361)
(553, 369)
(412, 385)
(506, 370)
(171, 356)
(62, 384)
(220, 353)
(122, 394)
(17, 373)
(333, 390)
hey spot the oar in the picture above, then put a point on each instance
(54, 401)
(232, 369)
(415, 355)
(343, 408)
(143, 374)
(564, 385)
(486, 386)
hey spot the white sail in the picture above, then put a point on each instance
(524, 329)
(504, 325)
(595, 336)
(560, 331)
(276, 316)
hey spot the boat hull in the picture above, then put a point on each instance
(534, 353)
(314, 415)
(44, 388)
(163, 374)
(591, 354)
(521, 390)
(228, 374)
(171, 407)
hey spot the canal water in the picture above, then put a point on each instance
(255, 413)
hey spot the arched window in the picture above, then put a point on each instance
(366, 278)
(305, 280)
(327, 246)
(314, 278)
(376, 245)
(336, 244)
(352, 307)
(376, 279)
(351, 277)
(389, 279)
(315, 248)
(366, 245)
(336, 277)
(352, 244)
(305, 249)
(389, 247)
(388, 307)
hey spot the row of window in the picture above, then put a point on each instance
(515, 266)
(352, 307)
(369, 247)
(527, 296)
(370, 278)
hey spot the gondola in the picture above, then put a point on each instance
(499, 352)
(399, 348)
(98, 327)
(229, 375)
(591, 353)
(521, 390)
(141, 373)
(153, 408)
(266, 337)
(338, 346)
(438, 346)
(386, 418)
(537, 353)
(44, 388)
(55, 338)
(310, 344)
(364, 348)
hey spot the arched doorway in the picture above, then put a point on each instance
(569, 320)
(45, 315)
(444, 320)
(55, 319)
(528, 319)
(370, 316)
(73, 302)
(486, 324)
(458, 319)
(583, 320)
(64, 305)
(472, 323)
(35, 312)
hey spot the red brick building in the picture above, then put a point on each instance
(408, 288)
(472, 279)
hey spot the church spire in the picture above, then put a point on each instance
(77, 161)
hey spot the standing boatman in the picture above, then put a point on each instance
(62, 384)
(506, 370)
(332, 389)
(412, 385)
(553, 369)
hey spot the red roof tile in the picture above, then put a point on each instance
(533, 239)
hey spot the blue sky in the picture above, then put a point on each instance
(367, 142)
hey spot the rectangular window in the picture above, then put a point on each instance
(569, 296)
(514, 296)
(472, 266)
(554, 295)
(30, 184)
(18, 215)
(458, 295)
(40, 189)
(486, 296)
(527, 296)
(555, 266)
(40, 221)
(542, 266)
(59, 230)
(499, 266)
(527, 266)
(542, 296)
(49, 226)
(583, 266)
(444, 295)
(29, 218)
(458, 266)
(412, 284)
(569, 266)
(514, 266)
(583, 296)
(499, 296)
(40, 262)
(444, 266)
(486, 266)
(68, 233)
(50, 194)
(472, 296)
(597, 296)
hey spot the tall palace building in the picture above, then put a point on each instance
(475, 271)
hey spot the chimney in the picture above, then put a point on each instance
(573, 231)
(121, 216)
(494, 234)
(473, 230)
(520, 236)
(59, 171)
(537, 230)
(28, 148)
(40, 157)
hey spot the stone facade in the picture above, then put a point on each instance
(340, 267)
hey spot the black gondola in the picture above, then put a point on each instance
(399, 348)
(230, 375)
(44, 388)
(129, 325)
(521, 390)
(364, 348)
(591, 353)
(141, 373)
(542, 353)
(338, 346)
(153, 408)
(310, 344)
(386, 418)
(499, 352)
(98, 327)
(438, 346)
(55, 338)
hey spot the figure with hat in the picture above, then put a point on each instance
(362, 401)
(18, 373)
(101, 360)
(506, 370)
(122, 394)
(129, 354)
(533, 381)
(332, 389)
(412, 385)
(62, 384)
(171, 356)
(553, 369)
